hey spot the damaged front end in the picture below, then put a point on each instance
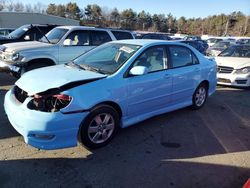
(49, 101)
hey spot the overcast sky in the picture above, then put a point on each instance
(178, 8)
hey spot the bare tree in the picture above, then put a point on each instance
(39, 8)
(10, 5)
(18, 7)
(2, 4)
(28, 8)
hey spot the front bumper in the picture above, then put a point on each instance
(238, 80)
(5, 67)
(41, 129)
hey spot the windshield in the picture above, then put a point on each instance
(54, 36)
(236, 51)
(19, 32)
(221, 45)
(107, 58)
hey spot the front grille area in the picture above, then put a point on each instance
(224, 80)
(241, 81)
(223, 69)
(20, 94)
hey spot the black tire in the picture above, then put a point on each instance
(33, 66)
(200, 96)
(104, 131)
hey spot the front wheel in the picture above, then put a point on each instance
(200, 96)
(99, 127)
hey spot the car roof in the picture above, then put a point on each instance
(6, 28)
(145, 42)
(81, 27)
(38, 25)
(242, 45)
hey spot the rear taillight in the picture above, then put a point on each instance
(49, 103)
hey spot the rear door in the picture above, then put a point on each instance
(186, 72)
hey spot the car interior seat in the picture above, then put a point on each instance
(156, 61)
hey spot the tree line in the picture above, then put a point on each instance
(235, 23)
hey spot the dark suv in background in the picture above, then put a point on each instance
(156, 36)
(29, 32)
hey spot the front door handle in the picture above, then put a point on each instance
(196, 70)
(167, 76)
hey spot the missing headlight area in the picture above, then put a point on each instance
(20, 94)
(49, 103)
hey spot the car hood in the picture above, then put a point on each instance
(55, 77)
(17, 46)
(235, 62)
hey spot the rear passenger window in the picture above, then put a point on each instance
(100, 37)
(120, 35)
(181, 56)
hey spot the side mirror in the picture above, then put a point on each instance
(26, 37)
(138, 70)
(67, 42)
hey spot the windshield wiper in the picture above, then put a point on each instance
(73, 64)
(95, 69)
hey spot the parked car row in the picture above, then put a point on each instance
(60, 45)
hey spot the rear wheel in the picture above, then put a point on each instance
(99, 127)
(200, 96)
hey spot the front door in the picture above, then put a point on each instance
(78, 42)
(152, 91)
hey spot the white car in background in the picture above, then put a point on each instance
(212, 41)
(233, 66)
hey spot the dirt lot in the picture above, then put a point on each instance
(185, 148)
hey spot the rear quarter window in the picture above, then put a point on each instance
(181, 56)
(120, 35)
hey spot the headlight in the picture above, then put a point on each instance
(244, 70)
(49, 103)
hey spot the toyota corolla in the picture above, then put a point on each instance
(114, 85)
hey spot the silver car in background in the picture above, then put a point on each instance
(60, 45)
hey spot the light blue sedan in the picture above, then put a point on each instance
(114, 85)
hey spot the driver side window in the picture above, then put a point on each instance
(79, 38)
(153, 58)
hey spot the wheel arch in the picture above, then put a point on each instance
(41, 60)
(113, 105)
(206, 83)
